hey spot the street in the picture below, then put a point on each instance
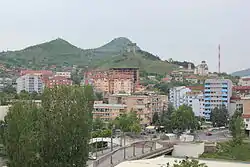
(216, 136)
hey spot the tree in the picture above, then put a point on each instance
(55, 134)
(187, 163)
(155, 119)
(236, 126)
(99, 96)
(128, 122)
(98, 124)
(183, 119)
(219, 116)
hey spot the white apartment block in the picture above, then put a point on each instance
(63, 74)
(177, 96)
(196, 101)
(29, 83)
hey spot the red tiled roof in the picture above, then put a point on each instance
(191, 77)
(165, 79)
(246, 115)
(196, 87)
(235, 88)
(42, 72)
(245, 79)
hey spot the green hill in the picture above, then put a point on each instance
(61, 53)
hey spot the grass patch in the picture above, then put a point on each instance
(229, 151)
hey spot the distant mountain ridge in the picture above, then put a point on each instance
(60, 52)
(242, 73)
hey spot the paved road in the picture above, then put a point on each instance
(216, 136)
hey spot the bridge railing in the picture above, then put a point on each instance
(133, 150)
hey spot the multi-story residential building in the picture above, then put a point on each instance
(201, 69)
(5, 82)
(177, 96)
(244, 81)
(195, 100)
(246, 113)
(56, 80)
(115, 80)
(108, 112)
(241, 90)
(236, 104)
(63, 74)
(29, 83)
(144, 105)
(123, 80)
(217, 92)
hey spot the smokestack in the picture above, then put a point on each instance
(219, 58)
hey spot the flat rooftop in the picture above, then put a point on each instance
(160, 161)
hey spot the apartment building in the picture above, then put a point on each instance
(115, 80)
(246, 113)
(123, 80)
(144, 105)
(56, 81)
(177, 96)
(29, 83)
(108, 112)
(195, 100)
(241, 90)
(63, 74)
(5, 82)
(244, 81)
(236, 104)
(217, 93)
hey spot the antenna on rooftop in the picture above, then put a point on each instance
(219, 59)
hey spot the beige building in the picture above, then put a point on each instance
(246, 112)
(108, 112)
(144, 105)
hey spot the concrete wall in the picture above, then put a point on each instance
(188, 149)
(186, 138)
(3, 111)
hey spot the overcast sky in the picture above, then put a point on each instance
(179, 29)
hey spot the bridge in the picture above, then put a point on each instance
(138, 150)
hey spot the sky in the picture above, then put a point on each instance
(188, 30)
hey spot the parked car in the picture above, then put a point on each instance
(208, 134)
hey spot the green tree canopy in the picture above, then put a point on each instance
(219, 116)
(128, 122)
(56, 134)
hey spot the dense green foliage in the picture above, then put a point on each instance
(178, 120)
(187, 163)
(55, 134)
(230, 151)
(219, 116)
(61, 53)
(236, 126)
(128, 122)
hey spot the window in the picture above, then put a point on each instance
(247, 120)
